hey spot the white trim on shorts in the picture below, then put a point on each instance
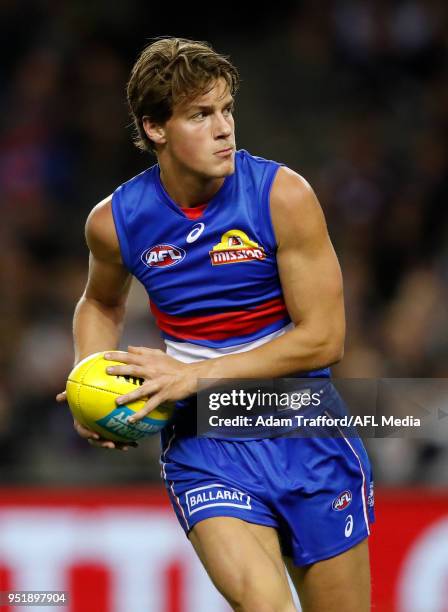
(363, 489)
(171, 484)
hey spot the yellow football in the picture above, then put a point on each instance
(91, 394)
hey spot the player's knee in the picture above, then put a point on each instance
(256, 605)
(258, 591)
(261, 599)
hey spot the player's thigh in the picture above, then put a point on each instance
(335, 584)
(244, 562)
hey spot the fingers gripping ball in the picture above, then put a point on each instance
(91, 394)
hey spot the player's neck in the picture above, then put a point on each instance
(187, 189)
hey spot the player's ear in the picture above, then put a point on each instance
(154, 131)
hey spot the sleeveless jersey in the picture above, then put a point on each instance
(212, 281)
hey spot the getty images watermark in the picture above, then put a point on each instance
(250, 400)
(322, 407)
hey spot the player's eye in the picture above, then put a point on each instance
(228, 110)
(199, 116)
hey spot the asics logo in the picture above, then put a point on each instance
(348, 526)
(195, 232)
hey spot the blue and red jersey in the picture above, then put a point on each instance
(212, 278)
(210, 271)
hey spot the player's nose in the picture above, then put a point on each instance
(222, 127)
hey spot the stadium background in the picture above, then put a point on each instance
(354, 96)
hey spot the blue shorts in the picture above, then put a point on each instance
(316, 492)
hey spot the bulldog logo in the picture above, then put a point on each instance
(236, 247)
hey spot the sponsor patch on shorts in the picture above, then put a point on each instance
(371, 498)
(216, 495)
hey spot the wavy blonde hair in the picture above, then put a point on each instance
(168, 71)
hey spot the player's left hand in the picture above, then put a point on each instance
(166, 379)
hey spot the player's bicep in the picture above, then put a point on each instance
(108, 282)
(309, 269)
(312, 286)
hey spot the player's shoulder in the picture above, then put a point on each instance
(101, 235)
(293, 198)
(286, 183)
(290, 189)
(292, 193)
(138, 182)
(101, 231)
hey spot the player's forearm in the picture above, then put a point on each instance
(299, 350)
(96, 327)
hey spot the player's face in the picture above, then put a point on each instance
(200, 134)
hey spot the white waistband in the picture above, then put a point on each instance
(188, 352)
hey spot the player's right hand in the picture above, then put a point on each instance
(92, 437)
(95, 439)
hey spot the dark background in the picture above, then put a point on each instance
(353, 95)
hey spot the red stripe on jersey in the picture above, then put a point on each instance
(195, 212)
(221, 326)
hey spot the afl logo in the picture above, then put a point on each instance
(342, 501)
(162, 256)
